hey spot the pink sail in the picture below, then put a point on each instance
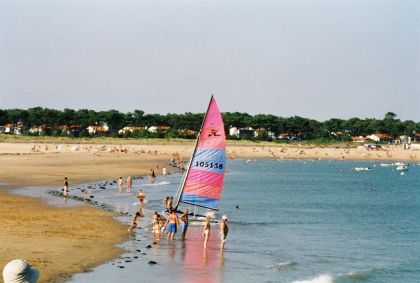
(204, 179)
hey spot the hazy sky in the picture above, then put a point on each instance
(313, 58)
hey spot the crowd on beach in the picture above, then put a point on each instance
(164, 225)
(173, 222)
(168, 222)
(93, 149)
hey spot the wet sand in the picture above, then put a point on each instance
(61, 241)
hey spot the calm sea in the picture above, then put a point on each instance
(297, 221)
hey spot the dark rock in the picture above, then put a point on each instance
(149, 246)
(152, 262)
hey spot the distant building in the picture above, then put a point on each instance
(287, 136)
(13, 129)
(129, 129)
(98, 129)
(246, 132)
(380, 137)
(234, 132)
(70, 130)
(260, 131)
(155, 129)
(360, 139)
(403, 139)
(39, 130)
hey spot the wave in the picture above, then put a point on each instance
(323, 278)
(282, 265)
(358, 275)
(352, 276)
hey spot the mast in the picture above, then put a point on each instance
(192, 155)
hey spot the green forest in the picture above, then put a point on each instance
(75, 123)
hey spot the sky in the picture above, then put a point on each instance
(312, 58)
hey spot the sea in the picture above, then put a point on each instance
(289, 221)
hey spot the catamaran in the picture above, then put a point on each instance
(203, 181)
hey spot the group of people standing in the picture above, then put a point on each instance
(173, 223)
(128, 182)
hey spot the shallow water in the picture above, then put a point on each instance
(298, 221)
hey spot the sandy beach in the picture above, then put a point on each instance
(62, 241)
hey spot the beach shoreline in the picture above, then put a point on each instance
(28, 222)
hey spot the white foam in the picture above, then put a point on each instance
(282, 265)
(323, 278)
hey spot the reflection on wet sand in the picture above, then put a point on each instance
(200, 264)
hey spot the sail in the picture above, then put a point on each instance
(204, 179)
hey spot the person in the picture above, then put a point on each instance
(141, 198)
(134, 222)
(181, 165)
(84, 193)
(206, 231)
(65, 187)
(169, 204)
(19, 271)
(165, 202)
(184, 219)
(156, 224)
(224, 229)
(120, 184)
(173, 223)
(152, 176)
(129, 183)
(164, 171)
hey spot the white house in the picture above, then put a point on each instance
(36, 130)
(270, 134)
(247, 131)
(154, 129)
(360, 139)
(379, 137)
(98, 129)
(234, 132)
(129, 130)
(14, 129)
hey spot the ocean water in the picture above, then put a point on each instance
(297, 221)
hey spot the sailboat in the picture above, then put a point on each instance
(203, 181)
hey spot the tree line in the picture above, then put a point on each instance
(184, 125)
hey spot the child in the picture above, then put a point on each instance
(134, 222)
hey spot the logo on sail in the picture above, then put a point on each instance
(214, 133)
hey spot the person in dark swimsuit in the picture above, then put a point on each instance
(184, 219)
(224, 229)
(65, 187)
